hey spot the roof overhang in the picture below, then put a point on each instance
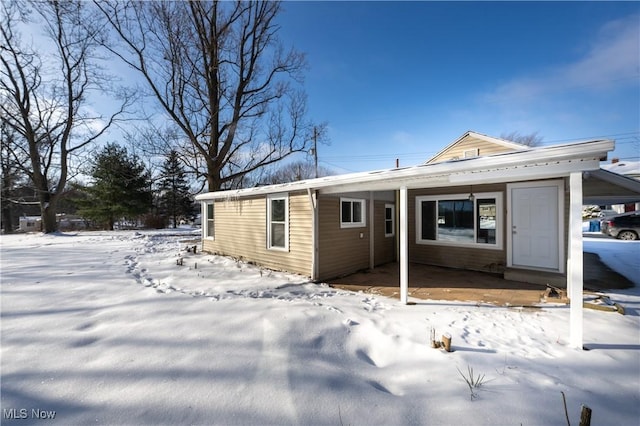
(602, 187)
(535, 163)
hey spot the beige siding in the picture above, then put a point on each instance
(470, 143)
(473, 258)
(241, 231)
(384, 247)
(341, 250)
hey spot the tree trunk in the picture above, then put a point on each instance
(7, 220)
(49, 222)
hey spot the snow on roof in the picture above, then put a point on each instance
(631, 168)
(392, 178)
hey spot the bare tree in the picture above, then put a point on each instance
(218, 70)
(532, 139)
(44, 92)
(292, 172)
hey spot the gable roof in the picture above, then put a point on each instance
(533, 163)
(471, 140)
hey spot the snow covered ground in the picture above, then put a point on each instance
(106, 328)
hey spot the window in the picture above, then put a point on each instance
(460, 220)
(487, 218)
(278, 222)
(208, 224)
(389, 220)
(352, 213)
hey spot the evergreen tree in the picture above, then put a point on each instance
(175, 200)
(12, 178)
(121, 187)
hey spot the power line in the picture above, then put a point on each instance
(623, 138)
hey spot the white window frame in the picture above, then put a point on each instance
(363, 213)
(393, 220)
(500, 220)
(270, 198)
(204, 220)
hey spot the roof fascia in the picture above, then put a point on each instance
(503, 142)
(588, 152)
(499, 141)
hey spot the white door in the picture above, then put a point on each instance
(534, 227)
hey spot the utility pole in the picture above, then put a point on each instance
(315, 149)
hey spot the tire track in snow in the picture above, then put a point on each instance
(272, 374)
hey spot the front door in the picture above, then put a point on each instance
(535, 230)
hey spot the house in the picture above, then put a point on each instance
(517, 210)
(628, 169)
(29, 223)
(65, 223)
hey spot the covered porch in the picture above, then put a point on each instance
(539, 198)
(429, 282)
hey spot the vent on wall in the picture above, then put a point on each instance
(470, 153)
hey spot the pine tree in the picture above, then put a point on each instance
(121, 187)
(175, 199)
(12, 178)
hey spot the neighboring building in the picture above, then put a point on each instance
(30, 224)
(65, 223)
(517, 212)
(630, 169)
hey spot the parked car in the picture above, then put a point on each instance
(607, 213)
(624, 226)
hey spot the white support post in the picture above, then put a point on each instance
(313, 202)
(575, 264)
(404, 252)
(372, 215)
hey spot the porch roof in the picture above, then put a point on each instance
(535, 163)
(602, 187)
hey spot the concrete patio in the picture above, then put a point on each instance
(439, 283)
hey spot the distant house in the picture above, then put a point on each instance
(65, 223)
(29, 223)
(628, 169)
(506, 208)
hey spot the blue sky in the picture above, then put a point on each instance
(404, 79)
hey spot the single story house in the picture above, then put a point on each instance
(481, 204)
(29, 223)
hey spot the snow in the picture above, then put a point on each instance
(107, 328)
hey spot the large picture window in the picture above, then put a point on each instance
(278, 222)
(352, 213)
(461, 219)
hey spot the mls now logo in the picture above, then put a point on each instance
(23, 413)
